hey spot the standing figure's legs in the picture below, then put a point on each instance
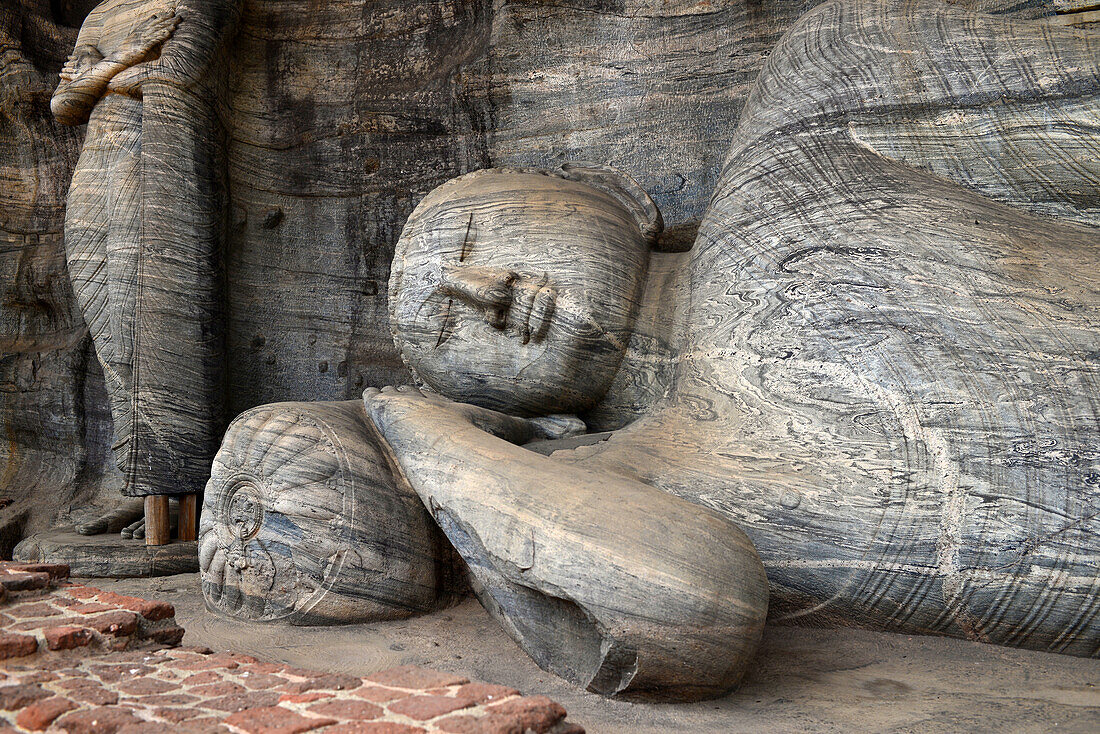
(102, 235)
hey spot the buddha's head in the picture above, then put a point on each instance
(517, 289)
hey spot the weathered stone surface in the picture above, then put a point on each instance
(343, 118)
(883, 356)
(105, 556)
(518, 291)
(304, 523)
(49, 396)
(143, 226)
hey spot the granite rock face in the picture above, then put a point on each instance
(343, 116)
(51, 393)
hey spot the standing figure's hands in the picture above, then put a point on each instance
(83, 58)
(146, 36)
(129, 80)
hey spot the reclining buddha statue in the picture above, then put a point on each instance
(875, 378)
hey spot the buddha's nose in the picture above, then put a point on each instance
(485, 288)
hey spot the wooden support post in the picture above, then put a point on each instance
(156, 520)
(189, 516)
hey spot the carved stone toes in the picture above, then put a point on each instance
(303, 523)
(94, 527)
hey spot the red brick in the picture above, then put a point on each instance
(17, 696)
(314, 681)
(166, 699)
(144, 686)
(96, 696)
(423, 708)
(410, 676)
(145, 727)
(67, 638)
(38, 715)
(265, 668)
(91, 607)
(242, 658)
(117, 644)
(115, 673)
(275, 720)
(346, 709)
(37, 624)
(461, 724)
(206, 725)
(16, 646)
(151, 610)
(259, 681)
(33, 609)
(81, 592)
(73, 684)
(56, 571)
(374, 727)
(241, 701)
(534, 712)
(114, 623)
(24, 581)
(201, 679)
(208, 662)
(304, 697)
(167, 636)
(378, 694)
(334, 682)
(154, 611)
(485, 692)
(221, 688)
(39, 676)
(99, 720)
(176, 714)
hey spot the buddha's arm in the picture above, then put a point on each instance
(185, 58)
(86, 78)
(75, 95)
(606, 581)
(74, 99)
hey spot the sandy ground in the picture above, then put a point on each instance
(804, 680)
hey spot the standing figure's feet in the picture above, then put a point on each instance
(136, 529)
(129, 512)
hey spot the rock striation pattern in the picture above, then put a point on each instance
(303, 522)
(343, 118)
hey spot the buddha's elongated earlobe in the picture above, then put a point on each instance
(624, 189)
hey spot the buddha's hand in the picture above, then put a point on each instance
(428, 411)
(83, 58)
(130, 80)
(146, 36)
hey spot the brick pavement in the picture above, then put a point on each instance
(85, 661)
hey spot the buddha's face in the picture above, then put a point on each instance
(517, 291)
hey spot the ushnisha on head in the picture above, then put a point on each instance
(517, 289)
